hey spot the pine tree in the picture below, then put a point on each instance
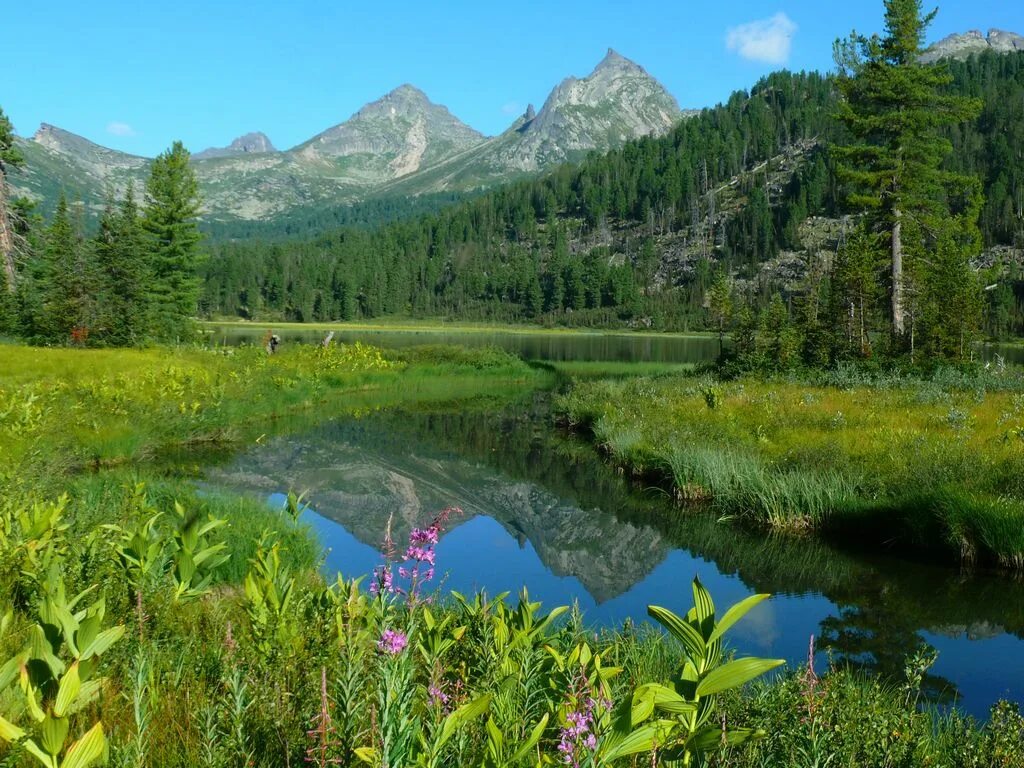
(123, 265)
(856, 293)
(170, 222)
(10, 158)
(68, 287)
(895, 108)
(719, 298)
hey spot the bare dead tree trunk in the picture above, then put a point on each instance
(898, 311)
(6, 238)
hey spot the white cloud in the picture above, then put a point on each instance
(120, 129)
(767, 40)
(512, 108)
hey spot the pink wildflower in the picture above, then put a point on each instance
(392, 642)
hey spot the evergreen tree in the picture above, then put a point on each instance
(68, 289)
(170, 221)
(123, 265)
(895, 108)
(856, 294)
(10, 158)
(719, 299)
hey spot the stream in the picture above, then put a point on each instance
(542, 510)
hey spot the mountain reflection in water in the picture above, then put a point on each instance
(543, 511)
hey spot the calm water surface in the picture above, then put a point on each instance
(554, 347)
(543, 511)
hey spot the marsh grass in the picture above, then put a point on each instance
(63, 410)
(932, 466)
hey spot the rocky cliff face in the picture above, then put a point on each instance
(617, 102)
(973, 42)
(394, 136)
(255, 142)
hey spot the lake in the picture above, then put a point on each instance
(542, 510)
(551, 346)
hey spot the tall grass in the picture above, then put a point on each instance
(934, 465)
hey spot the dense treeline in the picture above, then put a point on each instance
(584, 244)
(134, 280)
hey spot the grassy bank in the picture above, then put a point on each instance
(63, 410)
(936, 466)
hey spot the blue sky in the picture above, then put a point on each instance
(137, 75)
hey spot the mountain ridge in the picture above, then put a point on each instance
(963, 44)
(402, 140)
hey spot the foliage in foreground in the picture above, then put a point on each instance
(289, 669)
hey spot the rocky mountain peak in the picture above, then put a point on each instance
(395, 135)
(616, 102)
(960, 46)
(613, 60)
(254, 143)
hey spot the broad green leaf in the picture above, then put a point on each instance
(704, 607)
(667, 700)
(9, 731)
(87, 750)
(734, 614)
(642, 739)
(643, 706)
(691, 639)
(735, 674)
(712, 738)
(494, 736)
(70, 685)
(39, 754)
(460, 716)
(9, 670)
(53, 731)
(89, 692)
(367, 755)
(103, 641)
(531, 742)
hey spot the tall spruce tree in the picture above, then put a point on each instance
(10, 158)
(896, 108)
(68, 290)
(170, 222)
(123, 265)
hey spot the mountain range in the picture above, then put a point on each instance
(400, 144)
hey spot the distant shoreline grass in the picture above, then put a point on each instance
(433, 326)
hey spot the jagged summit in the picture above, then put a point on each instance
(250, 143)
(615, 60)
(960, 46)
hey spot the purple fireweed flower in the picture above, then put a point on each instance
(392, 642)
(424, 535)
(436, 697)
(420, 554)
(578, 736)
(383, 581)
